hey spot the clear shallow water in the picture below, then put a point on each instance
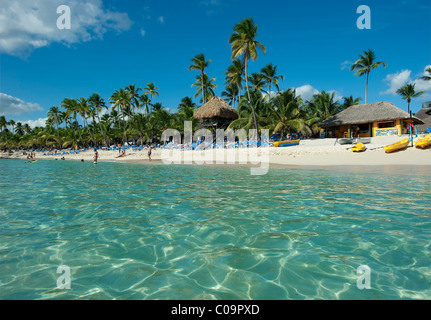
(131, 231)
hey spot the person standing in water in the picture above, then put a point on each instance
(96, 156)
(149, 153)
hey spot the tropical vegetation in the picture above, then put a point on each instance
(132, 115)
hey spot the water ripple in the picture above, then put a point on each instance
(178, 232)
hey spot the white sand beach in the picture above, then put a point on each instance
(312, 152)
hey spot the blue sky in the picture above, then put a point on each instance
(112, 44)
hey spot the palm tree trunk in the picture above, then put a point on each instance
(366, 88)
(203, 91)
(89, 131)
(124, 127)
(59, 139)
(101, 129)
(80, 135)
(94, 130)
(249, 99)
(74, 133)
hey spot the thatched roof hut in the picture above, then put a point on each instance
(216, 109)
(367, 113)
(425, 115)
(369, 120)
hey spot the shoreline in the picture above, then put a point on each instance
(310, 153)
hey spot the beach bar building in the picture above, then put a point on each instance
(216, 113)
(425, 115)
(369, 120)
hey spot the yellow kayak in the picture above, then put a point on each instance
(286, 143)
(423, 142)
(397, 146)
(359, 147)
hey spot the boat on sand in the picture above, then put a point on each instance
(288, 143)
(397, 146)
(423, 142)
(359, 147)
(354, 140)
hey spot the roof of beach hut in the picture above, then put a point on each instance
(425, 115)
(216, 108)
(366, 113)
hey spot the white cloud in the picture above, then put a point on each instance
(210, 5)
(26, 25)
(397, 80)
(161, 19)
(210, 2)
(337, 96)
(142, 32)
(41, 122)
(14, 106)
(306, 92)
(346, 65)
(422, 85)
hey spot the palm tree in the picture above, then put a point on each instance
(205, 84)
(364, 64)
(27, 128)
(84, 111)
(257, 81)
(19, 130)
(200, 64)
(246, 115)
(70, 105)
(3, 125)
(426, 77)
(186, 110)
(243, 41)
(187, 106)
(12, 123)
(98, 104)
(234, 76)
(145, 102)
(54, 115)
(321, 107)
(408, 93)
(286, 113)
(121, 99)
(159, 120)
(230, 94)
(134, 96)
(139, 123)
(152, 90)
(269, 76)
(350, 101)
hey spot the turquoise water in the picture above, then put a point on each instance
(130, 231)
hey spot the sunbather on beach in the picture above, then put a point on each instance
(123, 154)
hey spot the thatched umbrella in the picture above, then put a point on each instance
(216, 110)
